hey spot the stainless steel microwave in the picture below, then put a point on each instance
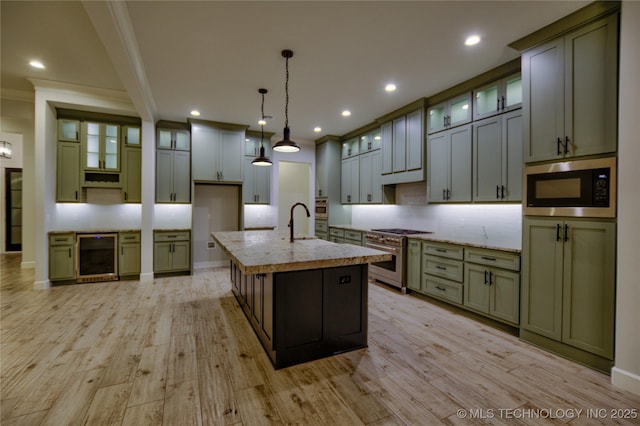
(581, 188)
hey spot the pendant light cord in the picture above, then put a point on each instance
(286, 91)
(262, 118)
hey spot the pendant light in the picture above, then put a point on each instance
(262, 160)
(286, 144)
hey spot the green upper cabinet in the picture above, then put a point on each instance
(570, 93)
(173, 176)
(370, 177)
(402, 144)
(101, 147)
(217, 154)
(68, 130)
(449, 169)
(68, 172)
(568, 282)
(370, 141)
(497, 158)
(350, 148)
(256, 187)
(176, 139)
(132, 136)
(252, 146)
(350, 183)
(498, 97)
(454, 112)
(132, 175)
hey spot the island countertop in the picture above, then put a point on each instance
(263, 252)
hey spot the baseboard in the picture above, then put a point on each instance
(625, 380)
(41, 285)
(30, 264)
(146, 277)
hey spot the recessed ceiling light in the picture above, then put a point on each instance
(36, 64)
(317, 129)
(472, 40)
(195, 113)
(346, 113)
(390, 87)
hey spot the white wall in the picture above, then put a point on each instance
(626, 373)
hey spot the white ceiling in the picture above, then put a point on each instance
(174, 56)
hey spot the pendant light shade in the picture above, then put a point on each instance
(262, 160)
(286, 144)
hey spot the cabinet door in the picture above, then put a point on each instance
(162, 257)
(248, 186)
(93, 138)
(460, 169)
(488, 159)
(386, 135)
(164, 176)
(182, 140)
(322, 172)
(436, 118)
(486, 101)
(230, 155)
(366, 170)
(165, 139)
(132, 136)
(181, 256)
(400, 144)
(513, 167)
(376, 177)
(590, 96)
(263, 184)
(415, 141)
(68, 172)
(414, 263)
(438, 170)
(459, 110)
(62, 262)
(206, 143)
(132, 175)
(351, 180)
(504, 296)
(477, 286)
(541, 303)
(589, 286)
(111, 148)
(129, 259)
(181, 177)
(543, 101)
(68, 130)
(512, 92)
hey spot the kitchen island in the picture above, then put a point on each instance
(305, 300)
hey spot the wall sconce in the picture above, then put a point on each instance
(5, 149)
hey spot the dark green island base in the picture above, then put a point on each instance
(305, 315)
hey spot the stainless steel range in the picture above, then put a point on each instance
(394, 241)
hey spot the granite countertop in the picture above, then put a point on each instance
(261, 252)
(94, 231)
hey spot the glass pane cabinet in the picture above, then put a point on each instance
(102, 151)
(454, 112)
(68, 130)
(132, 135)
(498, 97)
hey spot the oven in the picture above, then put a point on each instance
(394, 242)
(322, 208)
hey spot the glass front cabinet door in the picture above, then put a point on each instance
(102, 147)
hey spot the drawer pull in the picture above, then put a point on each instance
(439, 250)
(493, 259)
(441, 267)
(440, 288)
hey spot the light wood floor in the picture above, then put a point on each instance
(178, 351)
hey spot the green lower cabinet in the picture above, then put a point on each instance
(62, 257)
(414, 263)
(129, 253)
(172, 251)
(568, 286)
(492, 291)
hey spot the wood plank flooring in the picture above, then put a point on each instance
(178, 351)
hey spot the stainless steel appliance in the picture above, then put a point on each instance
(97, 257)
(322, 208)
(582, 188)
(394, 241)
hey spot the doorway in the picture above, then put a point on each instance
(13, 213)
(293, 187)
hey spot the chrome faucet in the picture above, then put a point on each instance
(291, 219)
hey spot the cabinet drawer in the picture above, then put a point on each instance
(321, 226)
(445, 268)
(443, 249)
(171, 236)
(354, 236)
(129, 237)
(61, 239)
(442, 289)
(499, 259)
(336, 232)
